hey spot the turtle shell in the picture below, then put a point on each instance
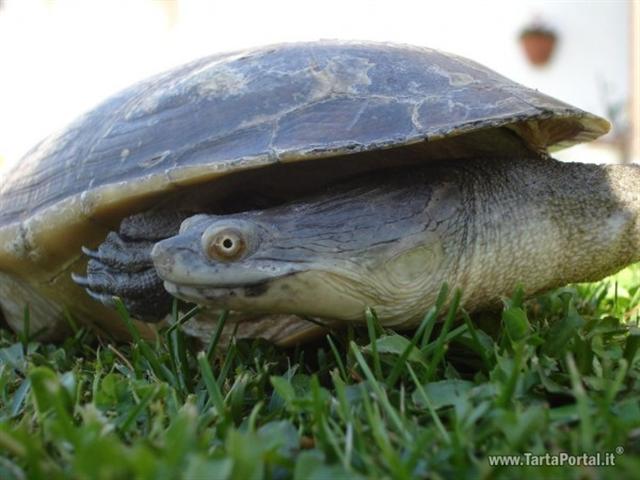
(250, 109)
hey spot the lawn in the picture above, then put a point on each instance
(552, 375)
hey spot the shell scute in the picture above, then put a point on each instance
(289, 102)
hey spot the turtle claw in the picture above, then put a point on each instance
(86, 284)
(101, 297)
(90, 253)
(121, 265)
(80, 280)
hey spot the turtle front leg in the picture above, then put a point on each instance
(122, 266)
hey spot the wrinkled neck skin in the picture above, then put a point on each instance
(482, 225)
(543, 224)
(490, 226)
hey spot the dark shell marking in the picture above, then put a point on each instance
(281, 103)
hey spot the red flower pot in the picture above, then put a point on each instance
(538, 45)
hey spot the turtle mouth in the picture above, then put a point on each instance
(220, 296)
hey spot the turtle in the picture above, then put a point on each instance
(308, 181)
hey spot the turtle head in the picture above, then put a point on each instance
(244, 263)
(329, 256)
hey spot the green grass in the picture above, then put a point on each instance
(559, 373)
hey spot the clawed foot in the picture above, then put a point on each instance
(123, 268)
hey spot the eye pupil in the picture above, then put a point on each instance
(224, 245)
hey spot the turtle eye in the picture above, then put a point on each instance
(224, 245)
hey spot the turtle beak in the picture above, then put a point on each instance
(163, 261)
(171, 259)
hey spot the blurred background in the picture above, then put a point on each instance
(59, 58)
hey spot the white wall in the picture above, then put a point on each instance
(59, 58)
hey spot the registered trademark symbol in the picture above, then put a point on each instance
(619, 450)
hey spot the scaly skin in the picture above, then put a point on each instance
(546, 224)
(389, 241)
